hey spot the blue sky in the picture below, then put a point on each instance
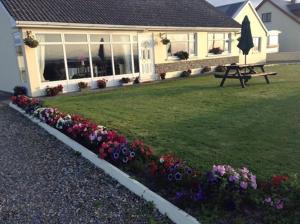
(225, 2)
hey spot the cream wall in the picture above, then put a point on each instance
(160, 56)
(289, 40)
(257, 31)
(9, 73)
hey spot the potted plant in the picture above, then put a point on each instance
(136, 80)
(126, 81)
(53, 91)
(182, 55)
(206, 69)
(186, 74)
(162, 76)
(165, 41)
(216, 50)
(20, 90)
(30, 41)
(101, 83)
(220, 69)
(83, 86)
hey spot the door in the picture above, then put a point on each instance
(146, 55)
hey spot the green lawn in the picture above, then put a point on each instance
(258, 126)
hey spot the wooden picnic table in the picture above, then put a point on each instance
(244, 73)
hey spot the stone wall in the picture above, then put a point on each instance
(193, 64)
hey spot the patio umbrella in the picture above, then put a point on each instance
(101, 50)
(246, 39)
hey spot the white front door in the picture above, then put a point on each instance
(146, 55)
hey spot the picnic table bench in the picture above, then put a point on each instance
(244, 73)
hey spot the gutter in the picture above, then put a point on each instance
(57, 25)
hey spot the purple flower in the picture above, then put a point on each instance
(219, 169)
(199, 196)
(178, 176)
(125, 159)
(116, 155)
(124, 151)
(132, 154)
(179, 195)
(212, 178)
(279, 204)
(244, 185)
(268, 200)
(188, 170)
(170, 177)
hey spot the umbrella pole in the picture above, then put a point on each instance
(245, 63)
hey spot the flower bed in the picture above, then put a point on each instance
(223, 188)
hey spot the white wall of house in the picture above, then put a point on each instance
(9, 72)
(289, 38)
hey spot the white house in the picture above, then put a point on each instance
(87, 41)
(283, 15)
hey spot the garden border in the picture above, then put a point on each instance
(176, 214)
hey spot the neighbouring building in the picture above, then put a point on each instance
(103, 39)
(261, 35)
(283, 15)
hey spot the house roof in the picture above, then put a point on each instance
(165, 13)
(231, 9)
(284, 6)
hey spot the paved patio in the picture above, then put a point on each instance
(43, 181)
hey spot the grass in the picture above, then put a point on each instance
(258, 126)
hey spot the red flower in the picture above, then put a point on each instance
(277, 180)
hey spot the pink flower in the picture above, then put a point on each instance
(220, 169)
(268, 200)
(279, 205)
(244, 185)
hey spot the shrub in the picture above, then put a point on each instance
(185, 74)
(182, 55)
(53, 91)
(101, 83)
(30, 41)
(162, 76)
(136, 80)
(165, 41)
(20, 90)
(216, 50)
(206, 69)
(82, 85)
(125, 80)
(220, 68)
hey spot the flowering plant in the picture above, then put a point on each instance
(101, 83)
(53, 91)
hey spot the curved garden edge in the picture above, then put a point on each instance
(176, 214)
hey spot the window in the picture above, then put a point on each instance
(219, 43)
(78, 61)
(51, 63)
(266, 17)
(273, 41)
(182, 42)
(86, 55)
(257, 44)
(20, 57)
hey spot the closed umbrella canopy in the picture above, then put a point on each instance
(246, 39)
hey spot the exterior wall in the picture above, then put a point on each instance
(9, 74)
(289, 38)
(257, 31)
(160, 60)
(173, 68)
(283, 57)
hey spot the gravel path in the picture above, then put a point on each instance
(43, 181)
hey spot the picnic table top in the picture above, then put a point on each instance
(240, 66)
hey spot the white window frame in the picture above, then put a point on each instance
(258, 50)
(227, 37)
(18, 42)
(88, 42)
(194, 41)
